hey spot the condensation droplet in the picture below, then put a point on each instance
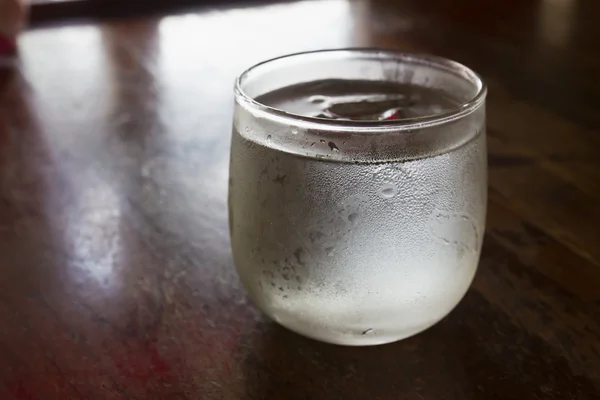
(369, 331)
(294, 130)
(317, 99)
(455, 229)
(388, 190)
(312, 144)
(333, 147)
(352, 217)
(329, 251)
(269, 137)
(322, 141)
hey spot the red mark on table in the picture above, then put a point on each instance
(143, 363)
(17, 389)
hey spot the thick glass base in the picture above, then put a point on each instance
(371, 337)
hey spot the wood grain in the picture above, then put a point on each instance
(116, 279)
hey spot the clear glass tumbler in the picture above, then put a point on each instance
(358, 232)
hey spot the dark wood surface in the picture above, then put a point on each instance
(116, 278)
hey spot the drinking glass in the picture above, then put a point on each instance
(357, 232)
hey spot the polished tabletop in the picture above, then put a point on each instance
(116, 276)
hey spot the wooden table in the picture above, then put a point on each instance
(116, 278)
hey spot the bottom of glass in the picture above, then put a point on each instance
(370, 337)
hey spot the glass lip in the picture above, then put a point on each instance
(402, 125)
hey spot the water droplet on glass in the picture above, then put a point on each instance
(322, 141)
(329, 251)
(388, 190)
(369, 331)
(317, 99)
(294, 130)
(312, 144)
(352, 217)
(269, 137)
(333, 147)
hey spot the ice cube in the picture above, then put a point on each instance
(365, 107)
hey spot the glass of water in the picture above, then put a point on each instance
(358, 191)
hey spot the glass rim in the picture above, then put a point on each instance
(357, 126)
